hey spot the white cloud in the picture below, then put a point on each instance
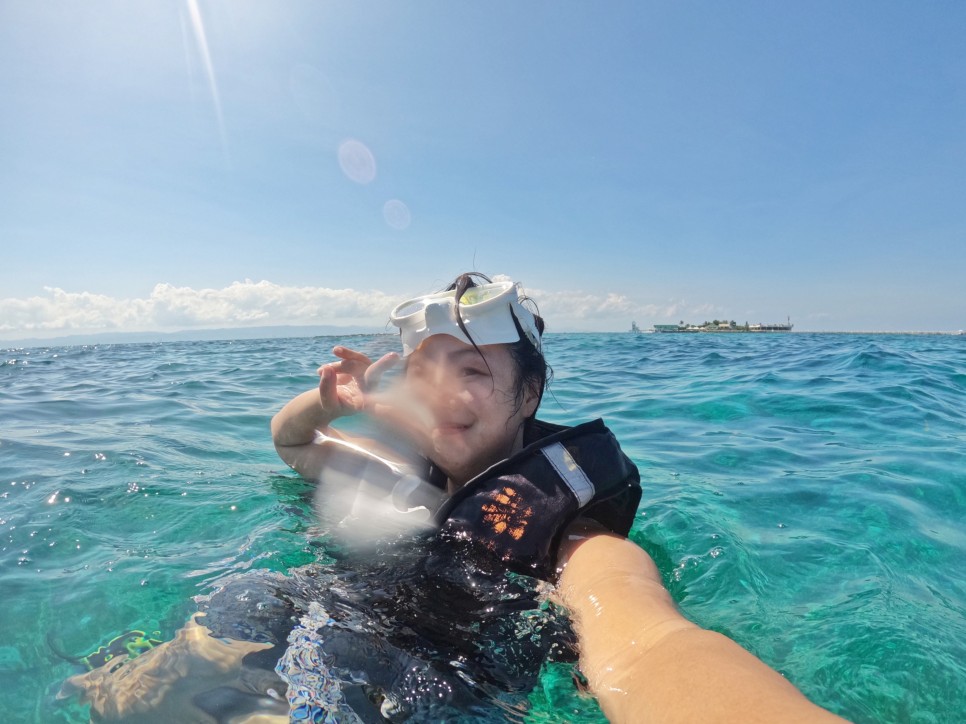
(669, 310)
(609, 311)
(247, 303)
(169, 307)
(583, 305)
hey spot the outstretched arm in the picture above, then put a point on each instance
(646, 662)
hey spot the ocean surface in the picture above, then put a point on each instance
(805, 494)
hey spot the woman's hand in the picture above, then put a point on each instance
(345, 386)
(344, 389)
(349, 386)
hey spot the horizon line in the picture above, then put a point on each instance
(213, 334)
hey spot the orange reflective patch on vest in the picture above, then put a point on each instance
(507, 513)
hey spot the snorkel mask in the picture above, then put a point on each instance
(487, 312)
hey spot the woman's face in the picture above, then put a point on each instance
(474, 416)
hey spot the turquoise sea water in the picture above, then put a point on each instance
(804, 494)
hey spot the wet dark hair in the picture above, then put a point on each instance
(533, 372)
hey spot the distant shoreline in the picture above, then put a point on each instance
(192, 335)
(955, 333)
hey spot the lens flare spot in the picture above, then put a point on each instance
(357, 161)
(396, 214)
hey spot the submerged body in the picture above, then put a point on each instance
(413, 629)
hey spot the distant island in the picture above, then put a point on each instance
(717, 326)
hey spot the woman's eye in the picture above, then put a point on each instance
(472, 372)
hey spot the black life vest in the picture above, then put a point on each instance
(518, 509)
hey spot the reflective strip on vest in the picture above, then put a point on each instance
(570, 472)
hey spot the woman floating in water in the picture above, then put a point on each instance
(490, 473)
(500, 508)
(552, 502)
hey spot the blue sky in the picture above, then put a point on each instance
(218, 163)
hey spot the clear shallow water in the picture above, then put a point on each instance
(804, 494)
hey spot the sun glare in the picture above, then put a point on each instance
(201, 40)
